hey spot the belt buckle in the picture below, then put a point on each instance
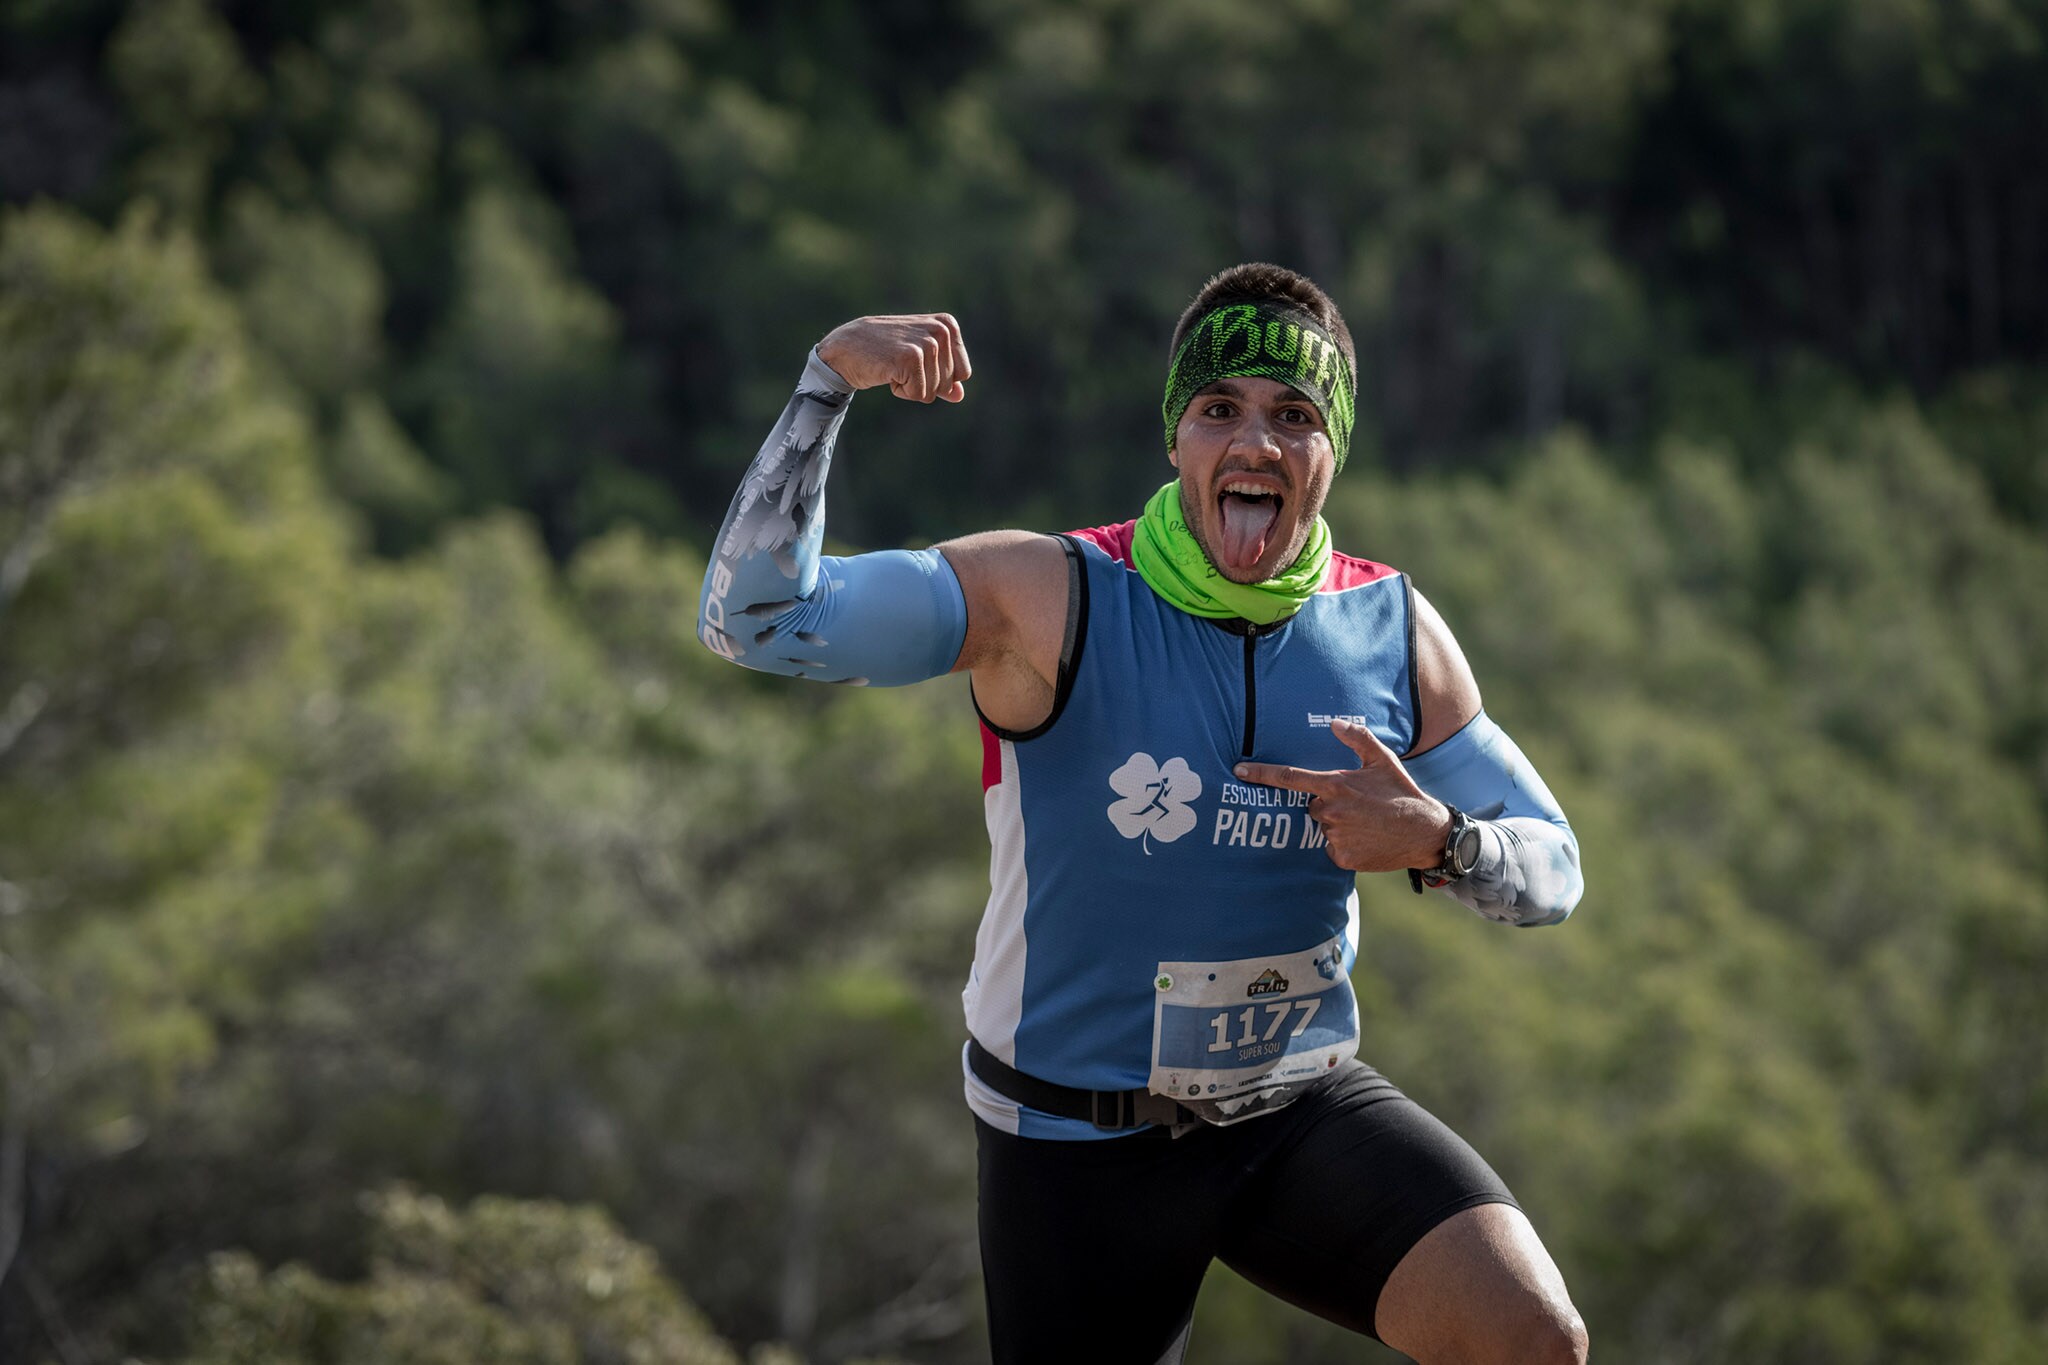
(1114, 1110)
(1159, 1109)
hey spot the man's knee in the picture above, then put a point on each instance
(1538, 1333)
(1555, 1335)
(1479, 1289)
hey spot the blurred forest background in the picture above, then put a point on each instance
(414, 948)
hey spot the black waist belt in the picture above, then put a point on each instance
(1111, 1109)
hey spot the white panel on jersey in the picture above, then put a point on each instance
(994, 997)
(998, 1113)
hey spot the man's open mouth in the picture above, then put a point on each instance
(1249, 511)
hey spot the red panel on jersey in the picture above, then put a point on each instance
(991, 759)
(1114, 541)
(1346, 571)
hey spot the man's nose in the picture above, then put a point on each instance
(1256, 437)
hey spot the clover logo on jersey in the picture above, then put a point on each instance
(1155, 800)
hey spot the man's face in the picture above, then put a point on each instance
(1255, 465)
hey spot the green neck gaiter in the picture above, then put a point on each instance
(1165, 553)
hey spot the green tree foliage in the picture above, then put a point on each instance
(417, 868)
(575, 252)
(311, 293)
(185, 84)
(523, 368)
(1837, 172)
(367, 813)
(503, 1280)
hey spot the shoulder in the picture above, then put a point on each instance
(1113, 541)
(1446, 693)
(1009, 572)
(1015, 585)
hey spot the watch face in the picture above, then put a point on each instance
(1465, 849)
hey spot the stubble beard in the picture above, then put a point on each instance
(1198, 526)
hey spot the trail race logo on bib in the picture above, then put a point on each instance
(1269, 982)
(1155, 801)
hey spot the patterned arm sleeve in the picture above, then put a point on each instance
(1528, 868)
(772, 602)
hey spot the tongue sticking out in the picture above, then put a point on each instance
(1247, 526)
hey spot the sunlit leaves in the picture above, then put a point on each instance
(527, 1283)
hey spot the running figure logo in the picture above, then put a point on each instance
(1155, 801)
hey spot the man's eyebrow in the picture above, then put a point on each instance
(1229, 389)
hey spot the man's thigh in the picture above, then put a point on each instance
(1094, 1250)
(1363, 1175)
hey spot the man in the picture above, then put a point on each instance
(1161, 1020)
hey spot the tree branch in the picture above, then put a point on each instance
(13, 1165)
(928, 1310)
(22, 709)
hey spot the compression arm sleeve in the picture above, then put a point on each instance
(772, 602)
(1528, 868)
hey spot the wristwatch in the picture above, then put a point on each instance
(1461, 854)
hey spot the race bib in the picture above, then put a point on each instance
(1234, 1039)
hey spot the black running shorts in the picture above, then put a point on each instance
(1093, 1251)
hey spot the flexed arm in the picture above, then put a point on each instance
(770, 600)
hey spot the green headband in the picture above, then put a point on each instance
(1264, 341)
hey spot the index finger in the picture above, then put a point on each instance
(1280, 775)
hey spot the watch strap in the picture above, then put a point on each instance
(1446, 871)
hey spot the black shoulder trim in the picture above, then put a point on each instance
(1414, 674)
(1070, 648)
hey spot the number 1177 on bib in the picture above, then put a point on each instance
(1248, 1023)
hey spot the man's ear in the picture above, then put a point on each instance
(1173, 456)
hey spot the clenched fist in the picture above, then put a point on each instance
(920, 356)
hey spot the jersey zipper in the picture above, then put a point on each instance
(1251, 693)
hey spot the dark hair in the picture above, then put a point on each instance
(1259, 282)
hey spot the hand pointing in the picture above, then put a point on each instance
(1374, 817)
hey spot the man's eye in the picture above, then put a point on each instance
(1218, 409)
(1295, 415)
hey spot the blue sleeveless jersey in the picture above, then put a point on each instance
(1120, 840)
